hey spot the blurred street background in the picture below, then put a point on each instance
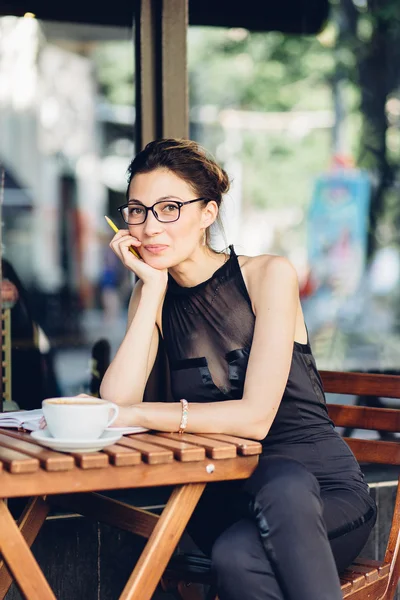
(307, 127)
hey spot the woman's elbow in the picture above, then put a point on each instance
(254, 433)
(118, 396)
(106, 393)
(259, 433)
(260, 427)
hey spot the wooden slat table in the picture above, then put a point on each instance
(187, 462)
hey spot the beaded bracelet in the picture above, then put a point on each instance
(184, 418)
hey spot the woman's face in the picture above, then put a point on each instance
(165, 245)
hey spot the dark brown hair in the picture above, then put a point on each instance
(189, 161)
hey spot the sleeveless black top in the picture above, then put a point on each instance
(208, 331)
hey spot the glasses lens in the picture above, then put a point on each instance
(134, 214)
(167, 211)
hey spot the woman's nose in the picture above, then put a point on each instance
(152, 225)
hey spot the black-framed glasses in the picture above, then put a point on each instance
(165, 211)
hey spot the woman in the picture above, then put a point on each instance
(240, 364)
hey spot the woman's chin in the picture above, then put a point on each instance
(158, 262)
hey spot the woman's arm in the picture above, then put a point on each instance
(274, 294)
(126, 377)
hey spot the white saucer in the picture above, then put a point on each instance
(64, 445)
(127, 430)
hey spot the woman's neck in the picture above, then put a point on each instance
(199, 267)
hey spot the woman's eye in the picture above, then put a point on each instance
(135, 211)
(170, 208)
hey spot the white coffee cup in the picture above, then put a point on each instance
(75, 418)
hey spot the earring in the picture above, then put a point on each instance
(204, 238)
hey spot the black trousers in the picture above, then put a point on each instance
(280, 535)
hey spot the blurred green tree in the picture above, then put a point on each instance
(264, 73)
(115, 71)
(233, 68)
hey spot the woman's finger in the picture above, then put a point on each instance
(126, 240)
(121, 248)
(121, 232)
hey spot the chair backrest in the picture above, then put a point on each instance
(371, 450)
(361, 417)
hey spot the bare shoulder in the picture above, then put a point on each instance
(267, 272)
(258, 270)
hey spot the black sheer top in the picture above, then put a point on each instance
(208, 331)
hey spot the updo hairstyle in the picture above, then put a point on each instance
(189, 161)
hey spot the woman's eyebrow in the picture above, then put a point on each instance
(169, 197)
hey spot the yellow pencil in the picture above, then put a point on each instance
(115, 228)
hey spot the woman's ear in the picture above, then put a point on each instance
(209, 213)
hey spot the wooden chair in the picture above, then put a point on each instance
(364, 579)
(374, 402)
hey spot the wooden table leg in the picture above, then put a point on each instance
(162, 542)
(30, 523)
(20, 560)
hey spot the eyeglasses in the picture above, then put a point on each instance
(165, 211)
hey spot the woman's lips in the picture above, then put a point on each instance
(155, 248)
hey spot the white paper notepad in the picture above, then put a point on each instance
(26, 419)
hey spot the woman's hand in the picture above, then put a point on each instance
(120, 244)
